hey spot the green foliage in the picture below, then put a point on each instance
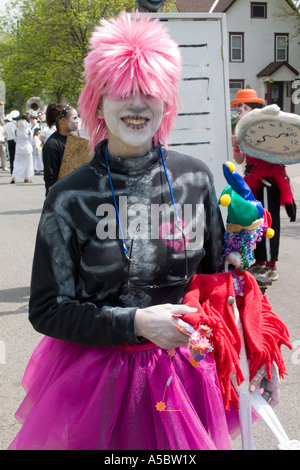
(43, 44)
(234, 122)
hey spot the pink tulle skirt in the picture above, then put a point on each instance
(92, 398)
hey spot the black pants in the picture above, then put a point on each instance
(268, 248)
(11, 151)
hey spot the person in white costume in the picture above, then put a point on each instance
(23, 164)
(37, 152)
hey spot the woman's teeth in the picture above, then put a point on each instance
(135, 122)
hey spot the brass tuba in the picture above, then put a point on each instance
(35, 104)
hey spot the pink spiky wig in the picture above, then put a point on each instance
(130, 53)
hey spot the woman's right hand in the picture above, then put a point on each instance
(238, 155)
(155, 324)
(235, 141)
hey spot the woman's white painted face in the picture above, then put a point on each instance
(242, 110)
(131, 122)
(73, 120)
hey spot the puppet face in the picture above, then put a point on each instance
(239, 247)
(242, 110)
(73, 120)
(131, 122)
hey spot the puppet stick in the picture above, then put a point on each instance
(245, 408)
(268, 415)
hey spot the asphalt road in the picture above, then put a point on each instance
(20, 208)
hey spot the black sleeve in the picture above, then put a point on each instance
(291, 210)
(54, 307)
(52, 157)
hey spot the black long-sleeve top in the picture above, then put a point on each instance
(53, 151)
(83, 287)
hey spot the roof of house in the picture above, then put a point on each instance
(273, 67)
(203, 6)
(210, 6)
(223, 5)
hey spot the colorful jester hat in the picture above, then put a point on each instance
(247, 220)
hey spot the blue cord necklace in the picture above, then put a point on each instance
(125, 249)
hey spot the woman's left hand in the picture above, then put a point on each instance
(271, 388)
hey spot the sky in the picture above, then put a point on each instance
(2, 5)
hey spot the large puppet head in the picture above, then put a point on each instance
(128, 54)
(247, 220)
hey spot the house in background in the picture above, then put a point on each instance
(263, 48)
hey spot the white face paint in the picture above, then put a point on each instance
(242, 110)
(131, 122)
(73, 120)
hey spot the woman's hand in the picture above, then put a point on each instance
(235, 141)
(154, 324)
(271, 390)
(238, 155)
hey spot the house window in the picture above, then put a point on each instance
(281, 47)
(234, 87)
(258, 10)
(236, 47)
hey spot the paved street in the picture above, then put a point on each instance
(20, 206)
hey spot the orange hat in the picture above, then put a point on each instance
(246, 96)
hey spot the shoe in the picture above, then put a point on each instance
(27, 180)
(13, 181)
(257, 268)
(270, 274)
(273, 275)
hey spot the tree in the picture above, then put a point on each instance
(43, 44)
(293, 10)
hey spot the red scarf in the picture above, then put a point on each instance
(264, 331)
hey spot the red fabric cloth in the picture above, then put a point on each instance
(264, 331)
(275, 173)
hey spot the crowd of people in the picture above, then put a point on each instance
(34, 142)
(21, 145)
